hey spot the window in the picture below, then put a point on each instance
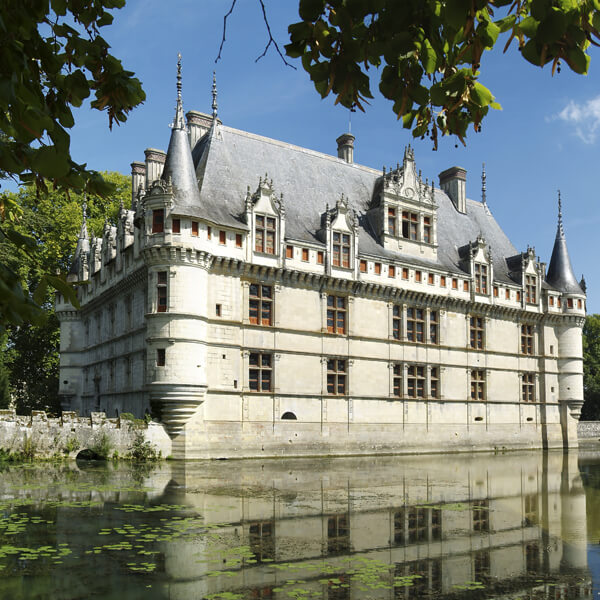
(412, 524)
(391, 271)
(430, 279)
(341, 249)
(160, 357)
(262, 541)
(530, 289)
(454, 283)
(264, 232)
(427, 230)
(579, 304)
(442, 280)
(397, 380)
(404, 273)
(495, 291)
(336, 314)
(415, 379)
(161, 291)
(569, 302)
(362, 266)
(218, 310)
(305, 254)
(528, 387)
(526, 339)
(392, 221)
(478, 385)
(410, 225)
(396, 321)
(128, 311)
(320, 257)
(208, 231)
(551, 300)
(176, 225)
(418, 276)
(481, 513)
(481, 278)
(158, 220)
(195, 229)
(223, 238)
(377, 268)
(260, 373)
(476, 330)
(518, 296)
(336, 376)
(338, 534)
(434, 390)
(434, 327)
(261, 304)
(238, 240)
(415, 325)
(507, 294)
(559, 302)
(466, 286)
(289, 251)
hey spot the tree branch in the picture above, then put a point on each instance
(271, 39)
(225, 29)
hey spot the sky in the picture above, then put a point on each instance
(547, 137)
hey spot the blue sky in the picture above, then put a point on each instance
(546, 137)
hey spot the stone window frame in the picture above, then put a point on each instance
(158, 220)
(162, 291)
(342, 240)
(527, 339)
(257, 364)
(528, 382)
(481, 278)
(267, 219)
(334, 371)
(477, 324)
(398, 319)
(478, 385)
(333, 311)
(261, 540)
(261, 301)
(530, 285)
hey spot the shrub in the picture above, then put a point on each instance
(102, 447)
(72, 445)
(142, 450)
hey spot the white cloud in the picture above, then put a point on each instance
(585, 118)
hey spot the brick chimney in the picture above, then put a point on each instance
(454, 182)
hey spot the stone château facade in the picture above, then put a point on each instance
(265, 299)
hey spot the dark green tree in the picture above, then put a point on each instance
(5, 397)
(52, 59)
(30, 351)
(591, 369)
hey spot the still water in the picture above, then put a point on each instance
(477, 526)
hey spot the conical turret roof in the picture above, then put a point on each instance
(179, 165)
(560, 272)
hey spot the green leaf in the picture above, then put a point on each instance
(480, 95)
(578, 60)
(529, 26)
(553, 27)
(310, 10)
(50, 163)
(428, 57)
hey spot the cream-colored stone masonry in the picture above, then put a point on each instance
(110, 351)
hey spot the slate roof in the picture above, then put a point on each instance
(229, 160)
(560, 272)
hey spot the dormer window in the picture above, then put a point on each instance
(341, 250)
(410, 225)
(427, 230)
(530, 289)
(481, 278)
(264, 234)
(392, 221)
(158, 220)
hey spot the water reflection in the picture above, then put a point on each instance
(455, 526)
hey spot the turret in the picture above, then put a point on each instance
(79, 265)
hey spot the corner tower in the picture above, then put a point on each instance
(570, 305)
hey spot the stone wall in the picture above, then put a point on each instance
(69, 434)
(588, 430)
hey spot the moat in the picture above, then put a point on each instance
(472, 526)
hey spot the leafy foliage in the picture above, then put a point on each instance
(428, 52)
(30, 351)
(5, 398)
(53, 58)
(591, 369)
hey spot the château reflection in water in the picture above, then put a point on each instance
(439, 526)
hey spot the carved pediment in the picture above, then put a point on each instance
(264, 199)
(406, 184)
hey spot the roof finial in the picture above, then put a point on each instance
(560, 221)
(483, 188)
(214, 96)
(179, 123)
(84, 232)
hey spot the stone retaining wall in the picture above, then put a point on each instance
(69, 434)
(588, 429)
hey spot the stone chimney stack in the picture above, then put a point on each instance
(155, 160)
(138, 176)
(345, 147)
(198, 124)
(454, 182)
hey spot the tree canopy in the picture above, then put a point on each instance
(52, 59)
(29, 352)
(591, 368)
(426, 54)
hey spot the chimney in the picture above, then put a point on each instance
(198, 124)
(155, 159)
(138, 176)
(454, 182)
(346, 147)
